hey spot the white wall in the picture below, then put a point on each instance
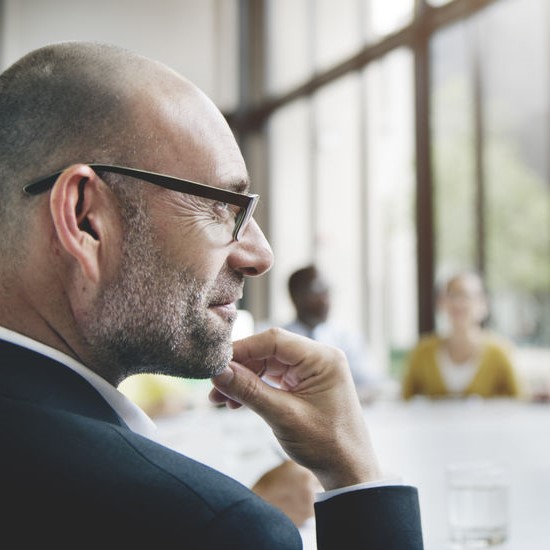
(198, 38)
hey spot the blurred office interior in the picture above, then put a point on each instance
(392, 143)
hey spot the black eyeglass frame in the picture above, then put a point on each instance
(246, 201)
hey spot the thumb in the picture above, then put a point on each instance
(240, 386)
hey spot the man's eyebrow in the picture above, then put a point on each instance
(239, 186)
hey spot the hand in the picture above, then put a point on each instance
(291, 488)
(314, 411)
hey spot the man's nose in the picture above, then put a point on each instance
(252, 254)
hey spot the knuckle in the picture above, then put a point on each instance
(275, 332)
(248, 389)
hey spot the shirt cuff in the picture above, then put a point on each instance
(320, 497)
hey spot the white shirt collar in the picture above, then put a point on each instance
(135, 418)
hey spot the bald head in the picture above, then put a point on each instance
(69, 102)
(78, 102)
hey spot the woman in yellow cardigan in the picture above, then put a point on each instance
(469, 360)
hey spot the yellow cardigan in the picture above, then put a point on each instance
(495, 376)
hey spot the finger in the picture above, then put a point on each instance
(271, 347)
(219, 399)
(286, 358)
(238, 385)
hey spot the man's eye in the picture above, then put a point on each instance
(221, 208)
(225, 211)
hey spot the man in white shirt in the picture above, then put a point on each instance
(311, 296)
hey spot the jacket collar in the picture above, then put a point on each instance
(53, 373)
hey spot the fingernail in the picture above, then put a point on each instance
(225, 377)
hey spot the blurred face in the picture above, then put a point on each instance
(171, 305)
(313, 302)
(464, 301)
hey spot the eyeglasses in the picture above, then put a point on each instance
(245, 202)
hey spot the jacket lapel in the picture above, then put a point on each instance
(29, 376)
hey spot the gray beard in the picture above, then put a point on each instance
(153, 317)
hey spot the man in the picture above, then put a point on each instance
(311, 298)
(108, 272)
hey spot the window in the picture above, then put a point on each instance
(349, 86)
(385, 17)
(288, 37)
(389, 208)
(291, 196)
(490, 137)
(453, 150)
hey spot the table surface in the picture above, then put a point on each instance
(415, 441)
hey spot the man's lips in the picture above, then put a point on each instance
(226, 299)
(232, 305)
(227, 310)
(226, 306)
(222, 302)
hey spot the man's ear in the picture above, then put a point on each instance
(80, 210)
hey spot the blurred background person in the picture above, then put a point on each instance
(463, 358)
(311, 298)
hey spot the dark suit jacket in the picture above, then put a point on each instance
(73, 475)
